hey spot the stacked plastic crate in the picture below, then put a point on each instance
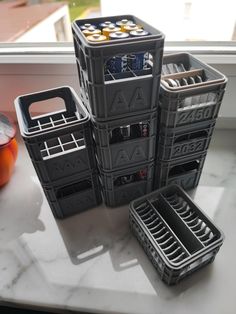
(61, 150)
(190, 97)
(176, 235)
(123, 106)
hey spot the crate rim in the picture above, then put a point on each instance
(97, 45)
(26, 134)
(198, 86)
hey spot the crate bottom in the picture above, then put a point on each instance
(68, 200)
(123, 195)
(168, 276)
(186, 181)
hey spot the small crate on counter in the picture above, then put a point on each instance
(175, 233)
(59, 143)
(184, 141)
(190, 91)
(184, 171)
(126, 142)
(121, 186)
(118, 77)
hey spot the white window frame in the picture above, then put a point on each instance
(210, 52)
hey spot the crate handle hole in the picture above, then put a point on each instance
(40, 108)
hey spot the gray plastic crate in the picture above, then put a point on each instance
(185, 172)
(116, 151)
(122, 186)
(115, 95)
(194, 102)
(59, 143)
(175, 233)
(74, 196)
(181, 141)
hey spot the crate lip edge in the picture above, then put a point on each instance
(106, 44)
(28, 135)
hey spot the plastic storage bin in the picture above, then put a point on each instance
(128, 92)
(185, 172)
(59, 143)
(122, 186)
(190, 91)
(74, 196)
(126, 142)
(184, 141)
(175, 233)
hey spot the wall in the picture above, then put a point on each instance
(208, 19)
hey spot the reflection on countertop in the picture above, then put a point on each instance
(91, 262)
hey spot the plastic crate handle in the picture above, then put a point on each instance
(63, 92)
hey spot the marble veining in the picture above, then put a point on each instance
(91, 262)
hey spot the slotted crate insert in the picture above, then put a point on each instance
(47, 123)
(184, 65)
(176, 235)
(127, 73)
(62, 145)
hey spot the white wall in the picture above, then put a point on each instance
(45, 30)
(209, 19)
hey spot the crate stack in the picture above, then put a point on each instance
(190, 97)
(123, 106)
(60, 147)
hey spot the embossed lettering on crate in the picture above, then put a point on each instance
(201, 114)
(124, 157)
(188, 148)
(58, 168)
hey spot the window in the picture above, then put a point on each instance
(187, 10)
(36, 39)
(42, 20)
(180, 20)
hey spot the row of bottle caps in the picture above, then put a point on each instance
(112, 31)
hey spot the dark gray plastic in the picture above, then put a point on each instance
(174, 232)
(184, 141)
(115, 193)
(138, 149)
(59, 143)
(75, 196)
(115, 95)
(197, 102)
(184, 171)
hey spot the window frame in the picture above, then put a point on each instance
(63, 53)
(48, 65)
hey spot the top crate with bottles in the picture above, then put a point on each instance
(119, 61)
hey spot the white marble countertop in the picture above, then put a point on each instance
(91, 262)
